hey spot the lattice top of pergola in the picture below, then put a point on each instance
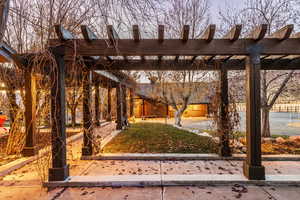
(279, 51)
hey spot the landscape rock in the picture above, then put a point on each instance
(268, 140)
(204, 134)
(216, 139)
(294, 138)
(237, 144)
(280, 140)
(242, 140)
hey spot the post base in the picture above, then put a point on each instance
(58, 174)
(29, 151)
(225, 152)
(108, 118)
(254, 172)
(87, 151)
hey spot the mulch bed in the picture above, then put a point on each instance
(43, 139)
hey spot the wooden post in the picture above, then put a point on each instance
(108, 117)
(4, 8)
(60, 169)
(131, 103)
(30, 109)
(119, 106)
(87, 148)
(253, 168)
(143, 110)
(97, 104)
(224, 150)
(124, 105)
(167, 110)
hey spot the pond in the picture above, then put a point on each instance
(280, 123)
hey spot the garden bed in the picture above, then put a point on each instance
(159, 138)
(43, 139)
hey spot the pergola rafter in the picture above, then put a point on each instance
(278, 51)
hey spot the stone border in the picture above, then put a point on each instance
(108, 138)
(174, 156)
(21, 162)
(104, 142)
(170, 180)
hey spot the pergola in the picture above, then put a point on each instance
(279, 51)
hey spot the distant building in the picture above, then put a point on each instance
(145, 106)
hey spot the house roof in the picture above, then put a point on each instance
(149, 91)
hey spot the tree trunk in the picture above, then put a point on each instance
(266, 122)
(13, 108)
(73, 117)
(178, 115)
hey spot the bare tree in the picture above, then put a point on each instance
(178, 87)
(276, 14)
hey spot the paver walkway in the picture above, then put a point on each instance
(105, 167)
(153, 193)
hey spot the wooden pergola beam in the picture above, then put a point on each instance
(234, 33)
(161, 33)
(88, 34)
(8, 54)
(136, 33)
(137, 36)
(258, 32)
(184, 37)
(174, 47)
(113, 37)
(185, 33)
(112, 34)
(209, 33)
(185, 64)
(283, 33)
(62, 33)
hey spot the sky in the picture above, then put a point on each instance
(216, 5)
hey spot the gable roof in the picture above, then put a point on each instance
(147, 90)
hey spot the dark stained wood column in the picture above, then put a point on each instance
(131, 103)
(253, 168)
(60, 169)
(30, 109)
(119, 106)
(97, 104)
(143, 109)
(87, 148)
(223, 128)
(108, 117)
(124, 105)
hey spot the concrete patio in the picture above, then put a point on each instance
(153, 193)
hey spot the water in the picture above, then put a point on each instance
(278, 122)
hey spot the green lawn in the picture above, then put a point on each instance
(239, 134)
(159, 138)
